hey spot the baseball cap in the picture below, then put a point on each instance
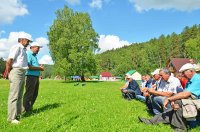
(186, 66)
(155, 72)
(25, 36)
(36, 44)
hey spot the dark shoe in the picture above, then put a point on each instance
(146, 121)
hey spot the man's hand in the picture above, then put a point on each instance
(143, 89)
(8, 68)
(41, 68)
(5, 75)
(150, 90)
(154, 86)
(175, 106)
(165, 102)
(125, 91)
(146, 94)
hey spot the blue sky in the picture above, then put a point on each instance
(118, 22)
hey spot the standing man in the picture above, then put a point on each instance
(32, 77)
(15, 69)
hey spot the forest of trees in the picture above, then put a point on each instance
(146, 57)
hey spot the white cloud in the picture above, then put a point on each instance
(181, 5)
(110, 42)
(46, 59)
(73, 2)
(9, 9)
(96, 4)
(42, 41)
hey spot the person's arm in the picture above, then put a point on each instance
(125, 86)
(40, 68)
(159, 93)
(8, 68)
(181, 95)
(11, 57)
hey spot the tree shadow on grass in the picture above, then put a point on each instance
(42, 109)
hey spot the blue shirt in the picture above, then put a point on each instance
(193, 85)
(149, 83)
(135, 87)
(32, 61)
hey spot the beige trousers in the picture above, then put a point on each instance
(17, 79)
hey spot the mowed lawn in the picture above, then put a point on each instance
(95, 107)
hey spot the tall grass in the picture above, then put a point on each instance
(95, 107)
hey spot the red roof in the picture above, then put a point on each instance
(179, 62)
(106, 74)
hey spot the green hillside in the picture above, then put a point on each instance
(146, 57)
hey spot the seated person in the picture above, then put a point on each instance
(182, 79)
(175, 116)
(126, 84)
(149, 81)
(132, 90)
(167, 87)
(148, 101)
(143, 82)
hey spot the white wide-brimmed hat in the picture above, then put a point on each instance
(24, 35)
(36, 44)
(186, 66)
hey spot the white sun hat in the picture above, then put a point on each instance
(35, 44)
(24, 35)
(186, 66)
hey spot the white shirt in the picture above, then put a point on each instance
(170, 85)
(19, 56)
(143, 83)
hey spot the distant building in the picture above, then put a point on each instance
(94, 77)
(106, 76)
(136, 75)
(174, 64)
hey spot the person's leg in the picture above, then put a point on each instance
(35, 94)
(21, 90)
(159, 118)
(131, 94)
(123, 93)
(157, 102)
(177, 119)
(28, 95)
(148, 103)
(16, 78)
(141, 98)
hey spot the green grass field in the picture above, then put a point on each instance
(95, 107)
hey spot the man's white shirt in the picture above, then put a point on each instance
(170, 85)
(19, 56)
